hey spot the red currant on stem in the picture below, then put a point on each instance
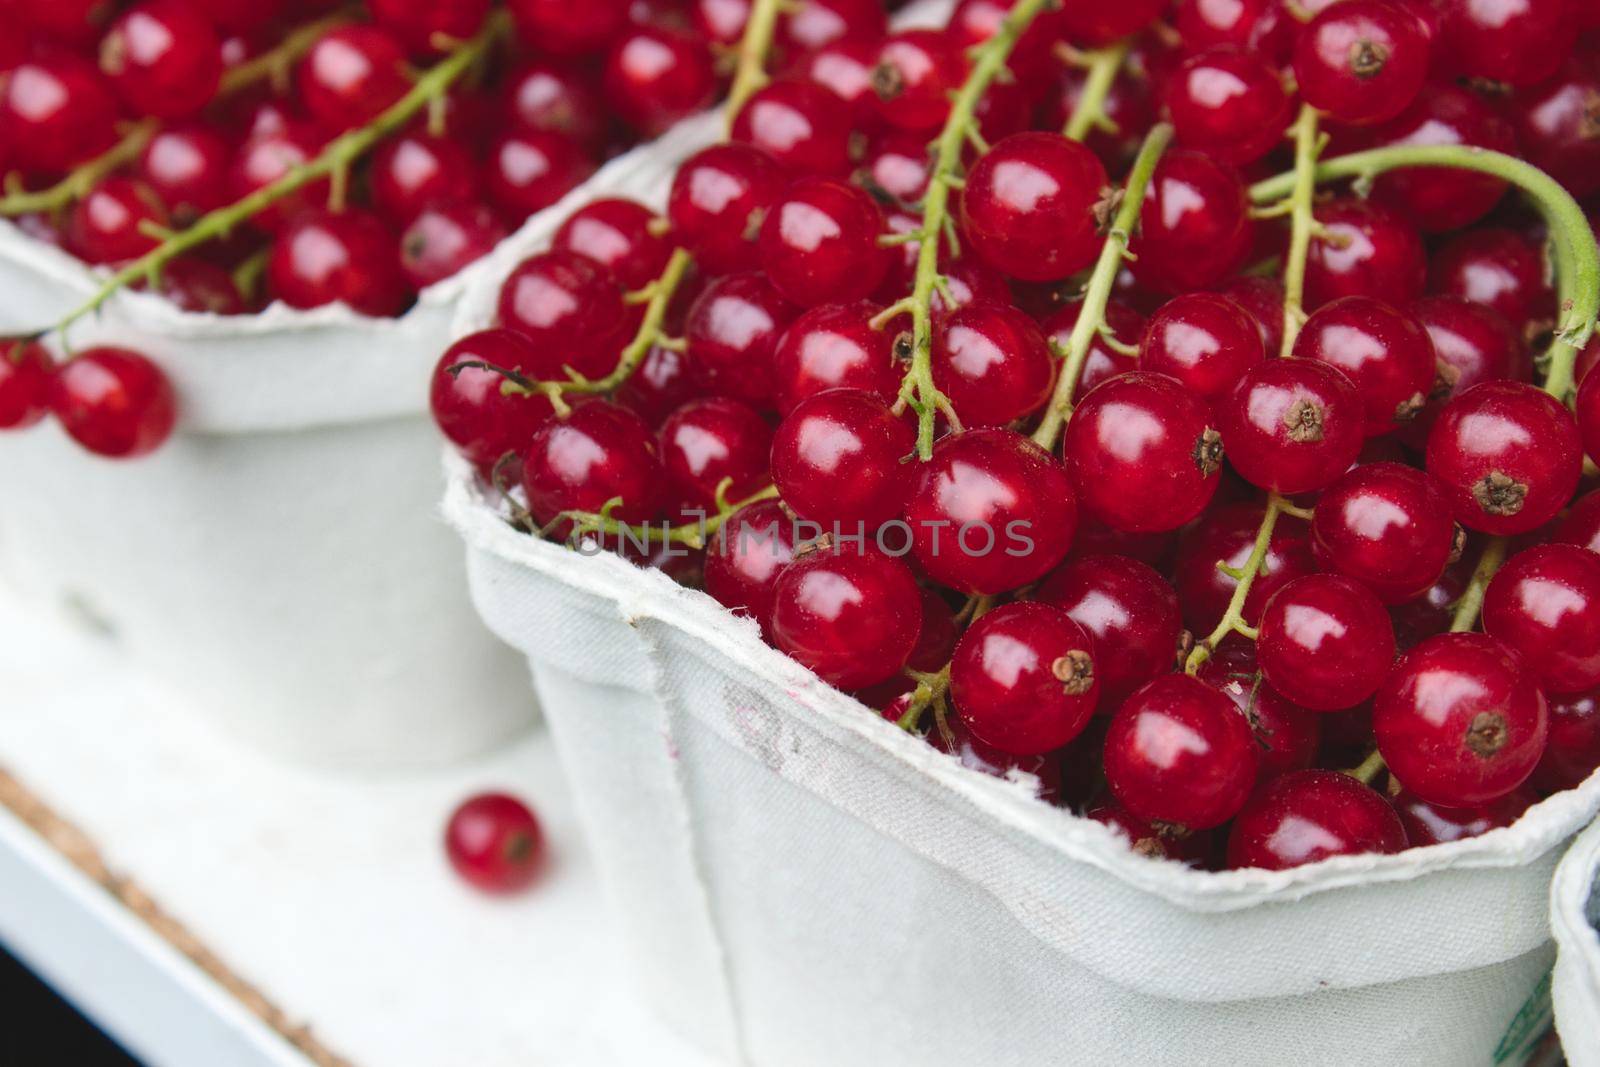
(1023, 678)
(164, 58)
(1325, 642)
(836, 459)
(469, 406)
(1545, 604)
(851, 616)
(25, 372)
(494, 842)
(1311, 815)
(1131, 612)
(114, 402)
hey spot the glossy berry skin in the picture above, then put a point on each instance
(1259, 25)
(1581, 526)
(469, 407)
(350, 75)
(834, 346)
(1028, 206)
(1129, 610)
(1103, 362)
(1312, 815)
(1460, 721)
(56, 111)
(349, 258)
(569, 306)
(494, 843)
(1433, 824)
(200, 286)
(563, 28)
(733, 331)
(163, 58)
(1292, 425)
(1572, 753)
(106, 226)
(991, 511)
(655, 76)
(1557, 128)
(916, 72)
(1204, 340)
(811, 24)
(418, 170)
(420, 26)
(267, 158)
(746, 556)
(1384, 351)
(1262, 299)
(526, 171)
(1440, 199)
(992, 363)
(1287, 735)
(1228, 103)
(1545, 605)
(1388, 526)
(1193, 226)
(1519, 42)
(1143, 453)
(443, 240)
(1473, 344)
(852, 617)
(803, 126)
(714, 438)
(1179, 752)
(720, 197)
(556, 98)
(819, 243)
(836, 460)
(597, 453)
(1326, 642)
(618, 235)
(114, 402)
(1227, 535)
(1509, 455)
(1498, 268)
(187, 168)
(25, 372)
(1023, 678)
(844, 68)
(1361, 61)
(1364, 250)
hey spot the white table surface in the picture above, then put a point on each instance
(330, 895)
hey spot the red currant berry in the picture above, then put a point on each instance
(416, 171)
(803, 126)
(164, 58)
(1204, 340)
(1519, 42)
(990, 512)
(199, 285)
(1292, 425)
(1287, 735)
(494, 843)
(468, 405)
(834, 347)
(443, 240)
(1103, 362)
(1145, 839)
(1028, 206)
(1573, 751)
(110, 224)
(1460, 721)
(712, 439)
(267, 158)
(427, 28)
(350, 258)
(1143, 453)
(1226, 535)
(528, 170)
(812, 24)
(25, 372)
(1558, 127)
(554, 98)
(619, 235)
(1388, 526)
(1194, 226)
(1306, 816)
(1433, 824)
(720, 196)
(1361, 61)
(836, 460)
(1364, 250)
(1100, 24)
(114, 402)
(1326, 643)
(1439, 199)
(844, 67)
(1024, 679)
(570, 307)
(566, 29)
(351, 75)
(896, 168)
(819, 243)
(992, 363)
(746, 556)
(1545, 605)
(56, 111)
(74, 22)
(1473, 344)
(655, 76)
(1509, 455)
(1262, 298)
(187, 169)
(659, 386)
(1229, 104)
(1386, 352)
(916, 74)
(851, 617)
(1131, 612)
(1262, 26)
(1179, 752)
(1581, 526)
(1497, 268)
(599, 453)
(733, 332)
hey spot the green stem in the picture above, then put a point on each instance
(274, 65)
(76, 186)
(1233, 618)
(930, 690)
(1091, 317)
(690, 534)
(1102, 67)
(1302, 222)
(1471, 602)
(751, 73)
(1577, 256)
(1370, 768)
(918, 389)
(339, 153)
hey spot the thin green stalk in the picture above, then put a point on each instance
(339, 154)
(1098, 293)
(1576, 254)
(1370, 768)
(1233, 618)
(1102, 67)
(275, 64)
(1302, 223)
(76, 186)
(1471, 602)
(750, 75)
(690, 534)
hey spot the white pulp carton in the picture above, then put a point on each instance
(1575, 919)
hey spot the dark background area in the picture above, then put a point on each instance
(42, 1028)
